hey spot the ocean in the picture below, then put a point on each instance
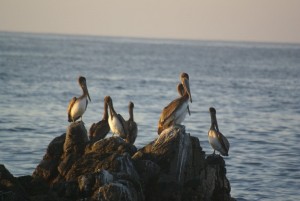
(255, 88)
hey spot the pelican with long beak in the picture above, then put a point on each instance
(116, 122)
(131, 125)
(216, 139)
(100, 129)
(175, 112)
(77, 106)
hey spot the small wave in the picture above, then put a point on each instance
(18, 129)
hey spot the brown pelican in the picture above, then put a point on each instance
(216, 139)
(116, 122)
(176, 111)
(180, 90)
(132, 126)
(99, 130)
(77, 106)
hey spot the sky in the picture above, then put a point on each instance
(226, 20)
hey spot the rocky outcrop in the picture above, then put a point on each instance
(10, 187)
(185, 173)
(172, 167)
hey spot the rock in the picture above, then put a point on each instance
(33, 186)
(48, 167)
(122, 190)
(76, 139)
(172, 167)
(83, 169)
(10, 187)
(185, 173)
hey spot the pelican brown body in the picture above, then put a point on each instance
(216, 139)
(175, 112)
(116, 122)
(131, 125)
(100, 129)
(77, 106)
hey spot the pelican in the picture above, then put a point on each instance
(116, 122)
(175, 112)
(77, 106)
(132, 126)
(99, 130)
(216, 139)
(180, 90)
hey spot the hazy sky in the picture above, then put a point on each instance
(242, 20)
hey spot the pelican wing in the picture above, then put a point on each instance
(167, 116)
(71, 103)
(92, 129)
(167, 113)
(132, 131)
(122, 121)
(99, 130)
(224, 142)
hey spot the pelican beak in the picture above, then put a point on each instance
(88, 95)
(86, 91)
(216, 123)
(188, 108)
(187, 88)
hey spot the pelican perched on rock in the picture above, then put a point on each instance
(131, 125)
(116, 122)
(216, 139)
(77, 106)
(175, 112)
(100, 129)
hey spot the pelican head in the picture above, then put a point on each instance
(212, 110)
(130, 110)
(184, 77)
(214, 122)
(108, 100)
(131, 105)
(82, 83)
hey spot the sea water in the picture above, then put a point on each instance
(255, 88)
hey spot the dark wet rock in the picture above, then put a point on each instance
(185, 172)
(47, 169)
(10, 187)
(76, 139)
(33, 186)
(83, 167)
(110, 146)
(147, 170)
(172, 167)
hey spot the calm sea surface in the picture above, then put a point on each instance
(254, 87)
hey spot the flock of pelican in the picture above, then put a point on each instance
(174, 113)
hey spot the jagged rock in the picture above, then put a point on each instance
(172, 167)
(76, 139)
(83, 168)
(10, 187)
(109, 146)
(33, 186)
(185, 173)
(47, 169)
(147, 170)
(121, 191)
(170, 151)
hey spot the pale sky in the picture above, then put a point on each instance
(237, 20)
